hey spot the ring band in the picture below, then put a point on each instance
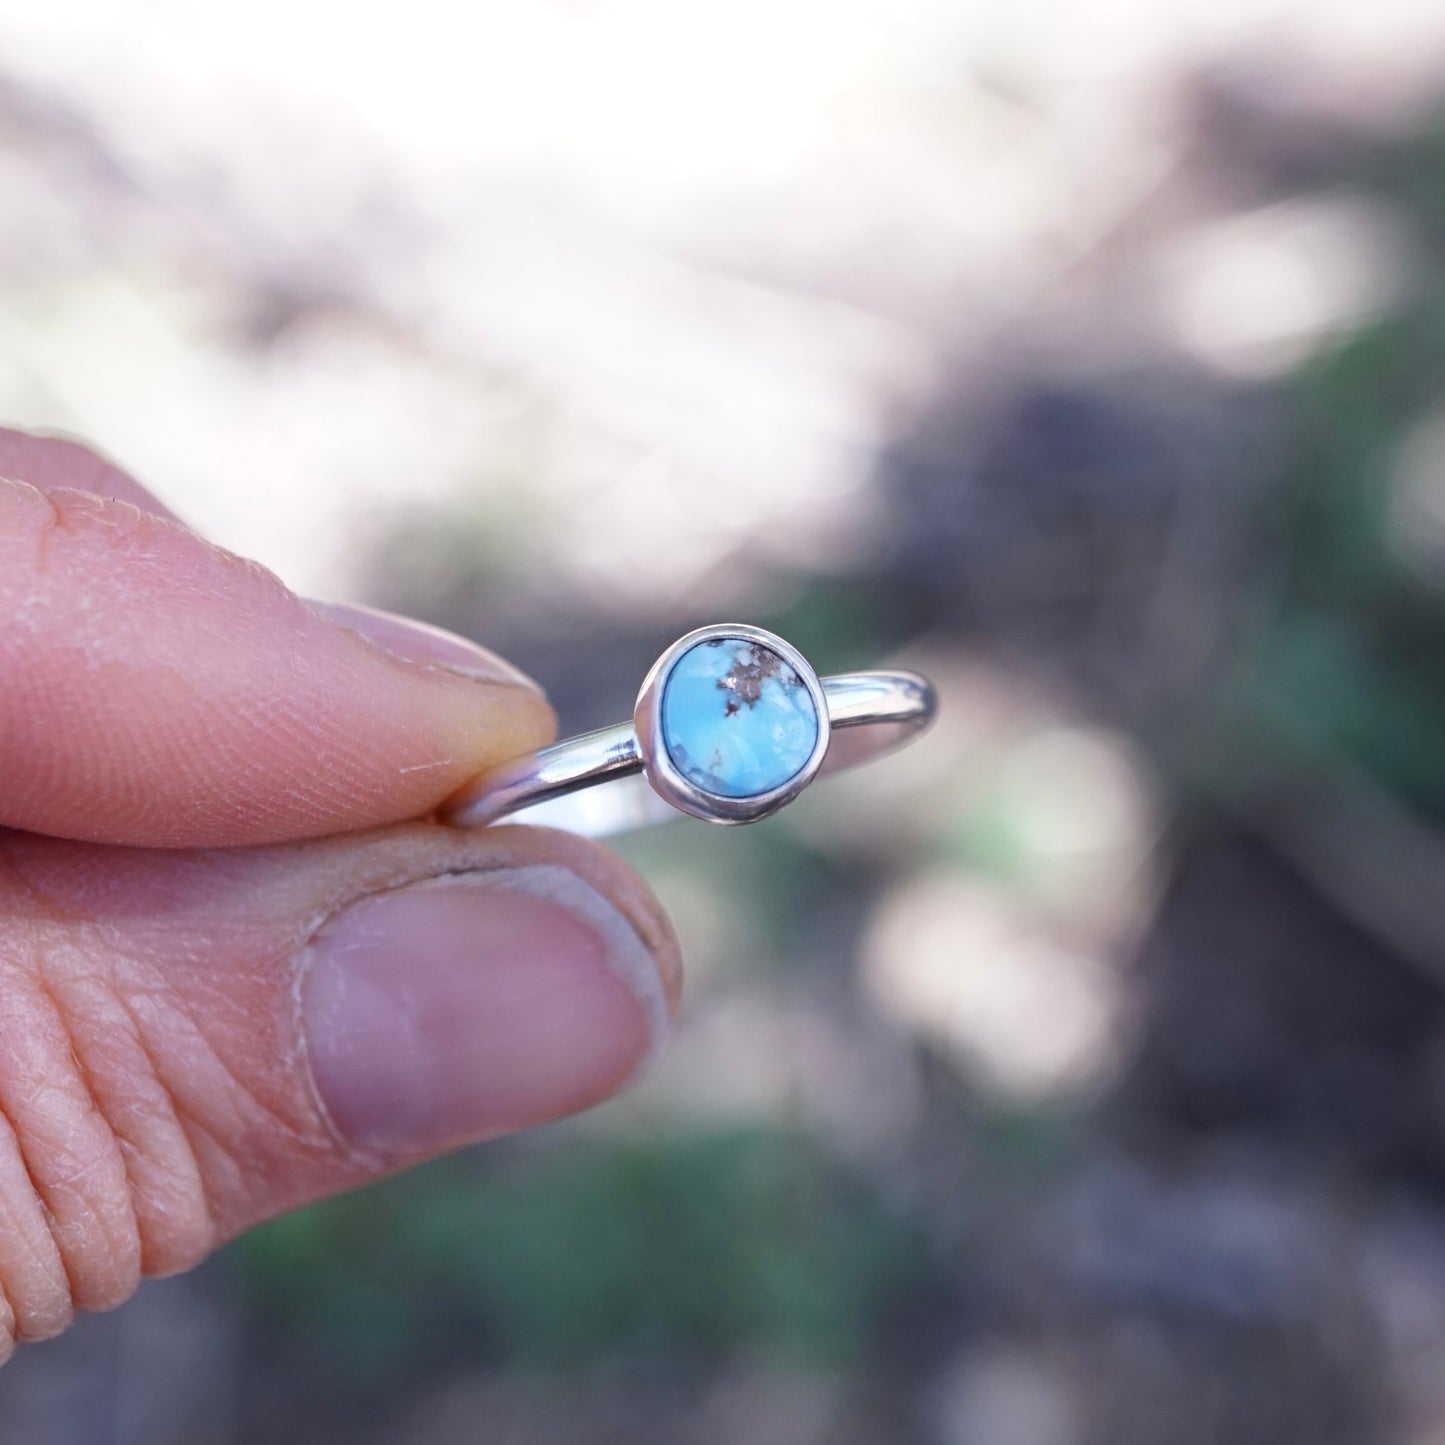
(731, 724)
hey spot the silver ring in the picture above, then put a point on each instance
(731, 724)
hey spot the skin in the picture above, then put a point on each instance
(186, 793)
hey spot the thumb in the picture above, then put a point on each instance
(191, 1042)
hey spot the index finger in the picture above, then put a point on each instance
(157, 690)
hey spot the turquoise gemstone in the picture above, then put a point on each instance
(737, 720)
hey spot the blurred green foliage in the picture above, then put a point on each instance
(751, 1242)
(1339, 665)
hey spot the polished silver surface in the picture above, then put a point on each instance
(861, 716)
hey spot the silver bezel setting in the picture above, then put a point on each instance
(663, 773)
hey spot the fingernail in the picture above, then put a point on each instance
(415, 641)
(468, 1006)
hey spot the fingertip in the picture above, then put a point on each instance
(163, 692)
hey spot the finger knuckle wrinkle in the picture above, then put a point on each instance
(93, 1184)
(68, 1184)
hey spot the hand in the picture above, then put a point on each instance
(232, 978)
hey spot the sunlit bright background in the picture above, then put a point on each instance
(640, 255)
(585, 322)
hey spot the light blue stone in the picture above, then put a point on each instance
(737, 720)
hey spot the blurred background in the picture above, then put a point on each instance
(1074, 1078)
